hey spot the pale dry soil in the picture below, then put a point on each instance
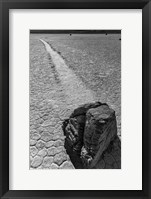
(96, 60)
(57, 86)
(48, 108)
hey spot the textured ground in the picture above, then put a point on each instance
(93, 68)
(96, 59)
(47, 109)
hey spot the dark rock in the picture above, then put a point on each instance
(100, 130)
(112, 156)
(73, 130)
(74, 155)
(91, 137)
(82, 110)
(100, 127)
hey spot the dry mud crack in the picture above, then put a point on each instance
(55, 91)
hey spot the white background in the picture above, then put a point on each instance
(130, 176)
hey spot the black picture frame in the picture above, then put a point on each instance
(5, 5)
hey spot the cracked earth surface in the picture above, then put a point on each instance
(54, 93)
(47, 110)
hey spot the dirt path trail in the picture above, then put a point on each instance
(74, 88)
(54, 93)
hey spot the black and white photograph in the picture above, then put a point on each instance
(75, 99)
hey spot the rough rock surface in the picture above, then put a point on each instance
(93, 143)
